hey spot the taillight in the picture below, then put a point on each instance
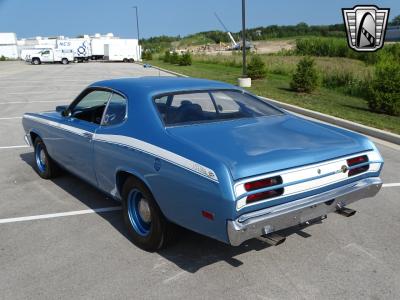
(261, 184)
(351, 162)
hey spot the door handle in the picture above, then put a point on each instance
(87, 135)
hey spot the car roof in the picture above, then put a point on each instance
(155, 85)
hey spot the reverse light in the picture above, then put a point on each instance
(351, 162)
(261, 184)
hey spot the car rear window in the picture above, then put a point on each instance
(212, 106)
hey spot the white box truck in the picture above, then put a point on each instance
(114, 49)
(80, 48)
(47, 55)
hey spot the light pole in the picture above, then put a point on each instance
(244, 81)
(138, 36)
(244, 37)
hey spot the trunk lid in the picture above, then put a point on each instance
(256, 146)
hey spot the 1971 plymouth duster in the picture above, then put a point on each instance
(204, 155)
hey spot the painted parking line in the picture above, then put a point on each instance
(14, 147)
(395, 184)
(10, 118)
(59, 215)
(27, 102)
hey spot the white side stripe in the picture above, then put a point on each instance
(159, 152)
(139, 145)
(58, 215)
(57, 125)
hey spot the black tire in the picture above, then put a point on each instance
(44, 165)
(159, 231)
(36, 61)
(65, 61)
(125, 60)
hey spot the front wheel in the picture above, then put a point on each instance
(146, 224)
(44, 165)
(36, 61)
(64, 61)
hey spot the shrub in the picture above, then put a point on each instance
(305, 78)
(147, 55)
(2, 58)
(167, 56)
(256, 68)
(384, 93)
(185, 59)
(174, 59)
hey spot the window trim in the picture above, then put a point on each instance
(90, 89)
(209, 91)
(105, 110)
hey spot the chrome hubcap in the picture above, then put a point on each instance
(144, 210)
(139, 212)
(42, 157)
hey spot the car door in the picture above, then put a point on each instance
(84, 118)
(109, 155)
(45, 56)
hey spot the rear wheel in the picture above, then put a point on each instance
(44, 165)
(36, 61)
(125, 60)
(64, 61)
(146, 224)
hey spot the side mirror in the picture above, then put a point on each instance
(63, 110)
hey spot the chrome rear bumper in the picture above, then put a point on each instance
(297, 212)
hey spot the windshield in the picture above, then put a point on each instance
(210, 106)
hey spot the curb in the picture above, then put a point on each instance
(165, 70)
(374, 132)
(367, 130)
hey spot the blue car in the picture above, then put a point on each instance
(203, 155)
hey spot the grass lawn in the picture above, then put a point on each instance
(275, 86)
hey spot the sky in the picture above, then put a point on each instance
(28, 18)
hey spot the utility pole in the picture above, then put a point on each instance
(138, 36)
(244, 37)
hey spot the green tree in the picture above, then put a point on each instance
(147, 55)
(167, 56)
(395, 21)
(305, 78)
(256, 68)
(385, 88)
(174, 59)
(185, 59)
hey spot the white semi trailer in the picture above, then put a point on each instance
(115, 49)
(8, 45)
(80, 47)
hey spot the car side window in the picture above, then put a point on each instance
(91, 107)
(116, 110)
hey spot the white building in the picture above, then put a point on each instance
(8, 45)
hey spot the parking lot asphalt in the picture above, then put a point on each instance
(86, 256)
